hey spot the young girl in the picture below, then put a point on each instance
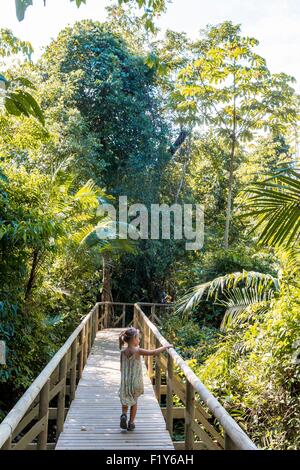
(132, 385)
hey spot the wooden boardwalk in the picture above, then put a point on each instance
(93, 418)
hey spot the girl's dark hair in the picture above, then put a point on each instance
(127, 335)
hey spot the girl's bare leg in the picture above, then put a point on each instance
(124, 409)
(133, 411)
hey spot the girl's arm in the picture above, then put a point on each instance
(154, 352)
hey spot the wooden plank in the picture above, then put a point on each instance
(204, 437)
(26, 420)
(30, 435)
(73, 370)
(7, 445)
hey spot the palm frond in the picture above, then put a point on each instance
(104, 236)
(211, 290)
(275, 203)
(241, 303)
(87, 194)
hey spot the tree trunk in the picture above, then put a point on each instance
(31, 280)
(179, 141)
(229, 197)
(231, 168)
(184, 170)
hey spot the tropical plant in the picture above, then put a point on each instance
(104, 237)
(237, 292)
(274, 205)
(14, 90)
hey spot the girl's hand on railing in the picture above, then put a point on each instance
(168, 346)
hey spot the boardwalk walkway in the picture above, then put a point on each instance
(93, 418)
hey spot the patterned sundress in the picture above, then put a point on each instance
(132, 384)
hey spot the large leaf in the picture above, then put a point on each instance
(19, 102)
(275, 204)
(21, 6)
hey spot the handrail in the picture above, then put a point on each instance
(12, 419)
(232, 429)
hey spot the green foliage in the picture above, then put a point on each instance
(151, 8)
(274, 204)
(192, 340)
(45, 275)
(108, 84)
(121, 106)
(254, 370)
(234, 87)
(17, 100)
(228, 87)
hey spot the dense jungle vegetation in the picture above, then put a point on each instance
(116, 109)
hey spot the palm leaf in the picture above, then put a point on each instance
(221, 285)
(275, 204)
(104, 236)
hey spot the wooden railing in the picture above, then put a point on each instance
(207, 425)
(45, 403)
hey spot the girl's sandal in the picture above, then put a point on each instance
(131, 426)
(123, 421)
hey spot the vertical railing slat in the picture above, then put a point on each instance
(169, 417)
(44, 412)
(189, 416)
(73, 370)
(157, 374)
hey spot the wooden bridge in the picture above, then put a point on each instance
(74, 404)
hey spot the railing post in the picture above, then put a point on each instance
(80, 359)
(152, 313)
(96, 316)
(61, 397)
(169, 417)
(124, 316)
(146, 346)
(92, 327)
(229, 444)
(189, 416)
(135, 316)
(44, 412)
(85, 342)
(150, 363)
(73, 370)
(89, 334)
(106, 315)
(157, 374)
